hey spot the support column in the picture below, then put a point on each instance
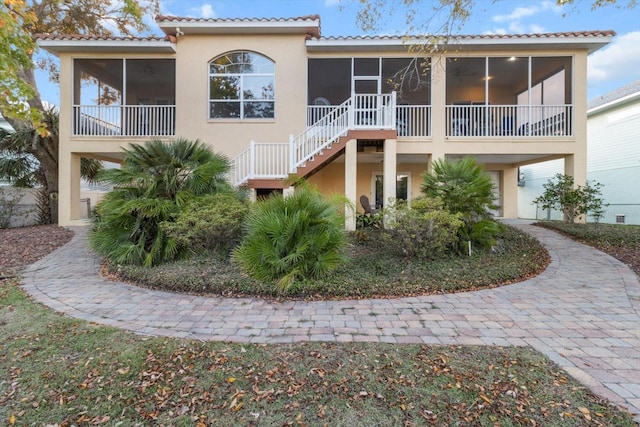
(350, 183)
(68, 189)
(389, 180)
(436, 155)
(510, 192)
(575, 165)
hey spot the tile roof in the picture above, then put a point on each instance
(614, 95)
(87, 37)
(170, 18)
(595, 33)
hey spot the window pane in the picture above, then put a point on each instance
(260, 64)
(246, 80)
(241, 62)
(258, 87)
(260, 110)
(219, 110)
(224, 87)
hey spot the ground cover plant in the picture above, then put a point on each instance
(60, 371)
(372, 269)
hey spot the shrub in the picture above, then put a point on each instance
(465, 189)
(560, 193)
(425, 230)
(211, 222)
(463, 186)
(291, 238)
(369, 221)
(156, 180)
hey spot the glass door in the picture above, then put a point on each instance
(403, 182)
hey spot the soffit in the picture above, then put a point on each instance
(104, 44)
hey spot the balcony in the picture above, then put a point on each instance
(122, 97)
(124, 120)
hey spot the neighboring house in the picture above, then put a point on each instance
(613, 158)
(355, 115)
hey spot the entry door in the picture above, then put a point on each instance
(403, 183)
(366, 82)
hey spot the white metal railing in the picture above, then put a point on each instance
(316, 112)
(320, 135)
(373, 111)
(413, 120)
(509, 120)
(261, 161)
(124, 120)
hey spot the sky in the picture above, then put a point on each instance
(608, 68)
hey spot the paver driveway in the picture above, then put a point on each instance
(583, 312)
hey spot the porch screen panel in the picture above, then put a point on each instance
(98, 86)
(329, 81)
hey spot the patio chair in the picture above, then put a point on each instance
(368, 210)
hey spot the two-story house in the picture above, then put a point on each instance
(354, 115)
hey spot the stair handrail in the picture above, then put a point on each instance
(320, 135)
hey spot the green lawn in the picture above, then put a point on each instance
(59, 371)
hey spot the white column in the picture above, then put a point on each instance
(575, 165)
(350, 183)
(389, 180)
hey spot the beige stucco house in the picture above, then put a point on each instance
(355, 115)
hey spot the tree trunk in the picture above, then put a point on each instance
(44, 149)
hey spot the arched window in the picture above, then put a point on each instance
(241, 86)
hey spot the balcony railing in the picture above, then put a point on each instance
(411, 120)
(509, 120)
(124, 120)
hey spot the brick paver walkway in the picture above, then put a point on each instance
(583, 312)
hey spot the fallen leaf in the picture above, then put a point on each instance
(585, 413)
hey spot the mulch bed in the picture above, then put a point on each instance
(20, 247)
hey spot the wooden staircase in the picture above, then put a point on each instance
(323, 158)
(266, 166)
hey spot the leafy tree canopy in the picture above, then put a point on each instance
(20, 103)
(22, 20)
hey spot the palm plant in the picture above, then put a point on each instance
(20, 168)
(156, 180)
(465, 189)
(291, 238)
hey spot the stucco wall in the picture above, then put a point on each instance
(231, 136)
